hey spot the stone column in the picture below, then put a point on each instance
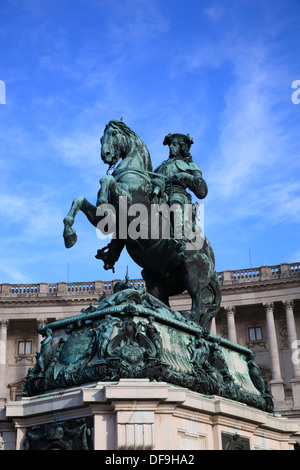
(294, 347)
(213, 328)
(3, 349)
(277, 384)
(230, 312)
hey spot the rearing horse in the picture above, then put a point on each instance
(166, 272)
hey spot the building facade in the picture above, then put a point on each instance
(260, 310)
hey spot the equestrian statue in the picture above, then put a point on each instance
(175, 256)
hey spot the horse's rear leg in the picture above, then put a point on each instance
(155, 285)
(195, 274)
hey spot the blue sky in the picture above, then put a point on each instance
(220, 70)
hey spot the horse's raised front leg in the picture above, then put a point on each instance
(108, 183)
(105, 184)
(79, 203)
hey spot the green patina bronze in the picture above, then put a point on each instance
(75, 434)
(169, 268)
(134, 333)
(130, 334)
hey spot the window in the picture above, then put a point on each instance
(255, 333)
(25, 348)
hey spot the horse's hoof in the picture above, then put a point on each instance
(70, 238)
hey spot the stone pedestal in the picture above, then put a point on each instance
(135, 414)
(131, 335)
(128, 373)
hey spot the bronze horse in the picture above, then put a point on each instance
(166, 271)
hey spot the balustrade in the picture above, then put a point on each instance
(246, 274)
(295, 269)
(77, 288)
(52, 289)
(26, 289)
(275, 271)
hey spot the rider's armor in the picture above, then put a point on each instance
(175, 189)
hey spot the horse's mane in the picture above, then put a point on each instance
(120, 125)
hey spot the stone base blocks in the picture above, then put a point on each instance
(136, 414)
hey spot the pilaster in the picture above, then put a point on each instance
(277, 384)
(230, 312)
(3, 353)
(294, 345)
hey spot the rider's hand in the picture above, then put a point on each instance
(184, 177)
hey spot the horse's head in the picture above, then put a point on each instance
(114, 142)
(118, 141)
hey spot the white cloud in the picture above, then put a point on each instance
(135, 24)
(273, 203)
(255, 140)
(10, 269)
(79, 148)
(30, 218)
(215, 12)
(162, 74)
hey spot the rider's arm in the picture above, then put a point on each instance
(194, 182)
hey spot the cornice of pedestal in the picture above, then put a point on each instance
(142, 396)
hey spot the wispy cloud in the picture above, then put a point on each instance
(32, 218)
(10, 269)
(215, 11)
(221, 74)
(78, 148)
(275, 204)
(133, 26)
(255, 139)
